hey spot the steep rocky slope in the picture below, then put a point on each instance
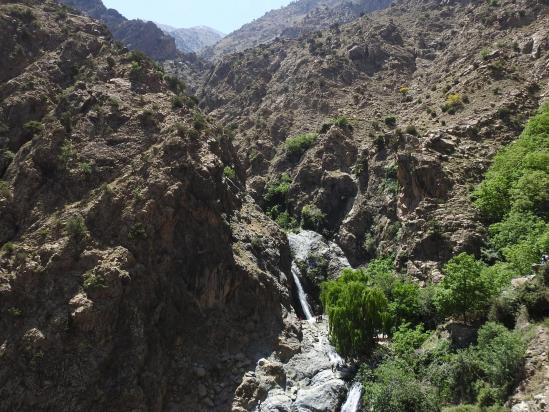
(299, 17)
(134, 274)
(428, 91)
(135, 34)
(193, 39)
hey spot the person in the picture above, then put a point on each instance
(544, 259)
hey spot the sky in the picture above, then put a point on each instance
(223, 15)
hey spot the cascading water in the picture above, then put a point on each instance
(353, 399)
(301, 294)
(315, 374)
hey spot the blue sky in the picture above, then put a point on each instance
(222, 15)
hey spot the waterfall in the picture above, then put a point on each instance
(301, 294)
(353, 399)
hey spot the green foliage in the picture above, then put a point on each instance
(15, 312)
(5, 190)
(341, 121)
(229, 173)
(199, 121)
(411, 129)
(67, 153)
(175, 85)
(33, 127)
(177, 102)
(391, 121)
(137, 232)
(394, 387)
(511, 181)
(286, 221)
(407, 339)
(297, 145)
(312, 218)
(463, 290)
(277, 191)
(454, 102)
(93, 281)
(358, 313)
(76, 228)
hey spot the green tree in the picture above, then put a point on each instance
(358, 313)
(463, 290)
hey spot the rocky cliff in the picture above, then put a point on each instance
(299, 17)
(409, 105)
(131, 265)
(135, 34)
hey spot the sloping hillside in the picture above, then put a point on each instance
(409, 105)
(126, 265)
(299, 17)
(193, 39)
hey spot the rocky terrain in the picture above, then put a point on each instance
(421, 108)
(193, 39)
(130, 269)
(299, 17)
(135, 34)
(140, 266)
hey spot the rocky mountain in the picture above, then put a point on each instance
(409, 104)
(299, 17)
(193, 39)
(135, 34)
(150, 250)
(132, 261)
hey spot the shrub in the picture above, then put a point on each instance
(391, 121)
(174, 84)
(33, 127)
(199, 121)
(177, 102)
(411, 129)
(137, 232)
(76, 228)
(277, 191)
(312, 218)
(5, 190)
(297, 145)
(286, 221)
(463, 290)
(394, 387)
(341, 121)
(404, 90)
(93, 281)
(229, 173)
(454, 102)
(407, 339)
(67, 153)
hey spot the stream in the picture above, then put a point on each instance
(315, 377)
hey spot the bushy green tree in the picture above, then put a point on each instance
(394, 387)
(463, 290)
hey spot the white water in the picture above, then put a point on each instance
(302, 295)
(353, 399)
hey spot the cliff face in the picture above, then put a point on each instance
(135, 34)
(299, 17)
(426, 92)
(130, 264)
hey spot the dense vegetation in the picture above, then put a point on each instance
(421, 370)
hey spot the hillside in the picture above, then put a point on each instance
(193, 39)
(122, 237)
(299, 17)
(412, 139)
(135, 34)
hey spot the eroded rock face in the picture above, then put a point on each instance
(128, 278)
